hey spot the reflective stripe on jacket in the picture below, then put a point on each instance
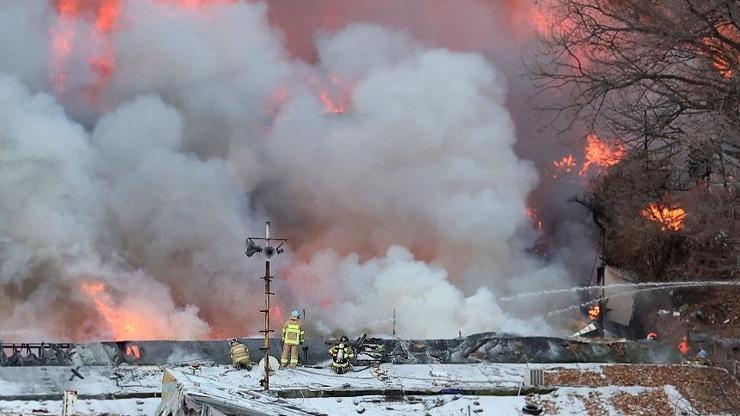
(239, 354)
(348, 354)
(292, 332)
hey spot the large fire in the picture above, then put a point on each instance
(122, 323)
(103, 15)
(597, 155)
(600, 154)
(670, 218)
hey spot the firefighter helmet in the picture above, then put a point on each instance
(344, 339)
(295, 314)
(234, 341)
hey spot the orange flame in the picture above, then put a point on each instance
(332, 92)
(329, 104)
(108, 14)
(600, 154)
(104, 15)
(122, 324)
(133, 351)
(566, 165)
(594, 312)
(669, 218)
(724, 59)
(63, 34)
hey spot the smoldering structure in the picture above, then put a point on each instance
(478, 348)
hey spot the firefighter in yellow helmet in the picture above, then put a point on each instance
(240, 355)
(340, 355)
(292, 339)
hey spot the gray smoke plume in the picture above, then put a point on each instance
(389, 162)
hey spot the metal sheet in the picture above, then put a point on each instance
(620, 300)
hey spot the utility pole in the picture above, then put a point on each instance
(268, 252)
(266, 331)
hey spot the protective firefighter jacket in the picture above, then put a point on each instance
(240, 355)
(341, 355)
(292, 332)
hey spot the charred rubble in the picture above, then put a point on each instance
(485, 347)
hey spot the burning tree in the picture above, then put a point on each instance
(658, 75)
(662, 76)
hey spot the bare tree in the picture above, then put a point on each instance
(657, 74)
(662, 76)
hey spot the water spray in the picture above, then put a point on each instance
(658, 285)
(604, 298)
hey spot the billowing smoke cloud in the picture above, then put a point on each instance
(125, 195)
(55, 222)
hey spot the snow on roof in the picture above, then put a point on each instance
(396, 390)
(436, 389)
(134, 407)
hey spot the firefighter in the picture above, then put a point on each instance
(292, 338)
(240, 355)
(340, 355)
(684, 347)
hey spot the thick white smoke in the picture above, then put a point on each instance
(412, 199)
(54, 224)
(358, 296)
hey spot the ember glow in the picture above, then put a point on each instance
(534, 217)
(330, 104)
(723, 66)
(333, 93)
(670, 218)
(725, 60)
(566, 164)
(594, 312)
(600, 155)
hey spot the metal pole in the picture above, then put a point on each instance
(266, 347)
(253, 248)
(267, 326)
